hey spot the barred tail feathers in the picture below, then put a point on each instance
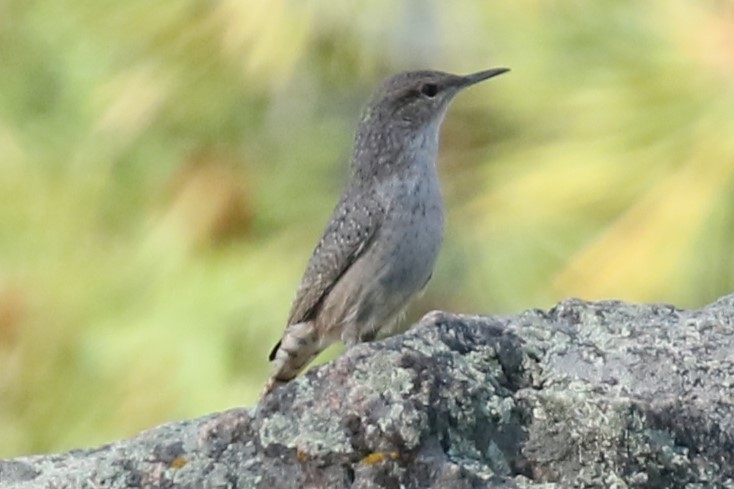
(299, 345)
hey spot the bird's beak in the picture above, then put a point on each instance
(468, 80)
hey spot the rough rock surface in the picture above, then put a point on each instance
(602, 394)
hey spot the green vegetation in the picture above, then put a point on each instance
(166, 169)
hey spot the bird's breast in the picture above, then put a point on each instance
(409, 240)
(417, 208)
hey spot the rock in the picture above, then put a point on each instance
(602, 394)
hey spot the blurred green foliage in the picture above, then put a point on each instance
(165, 170)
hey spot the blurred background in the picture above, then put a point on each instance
(167, 168)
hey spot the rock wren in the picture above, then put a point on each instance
(381, 243)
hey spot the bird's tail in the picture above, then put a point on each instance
(299, 345)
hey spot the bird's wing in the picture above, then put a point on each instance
(349, 233)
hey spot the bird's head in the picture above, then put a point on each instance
(417, 99)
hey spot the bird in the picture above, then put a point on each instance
(380, 246)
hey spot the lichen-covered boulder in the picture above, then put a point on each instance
(602, 394)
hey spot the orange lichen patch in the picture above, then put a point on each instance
(334, 402)
(379, 457)
(301, 456)
(178, 462)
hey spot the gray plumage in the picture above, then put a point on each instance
(382, 241)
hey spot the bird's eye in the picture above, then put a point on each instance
(429, 89)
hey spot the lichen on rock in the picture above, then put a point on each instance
(586, 394)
